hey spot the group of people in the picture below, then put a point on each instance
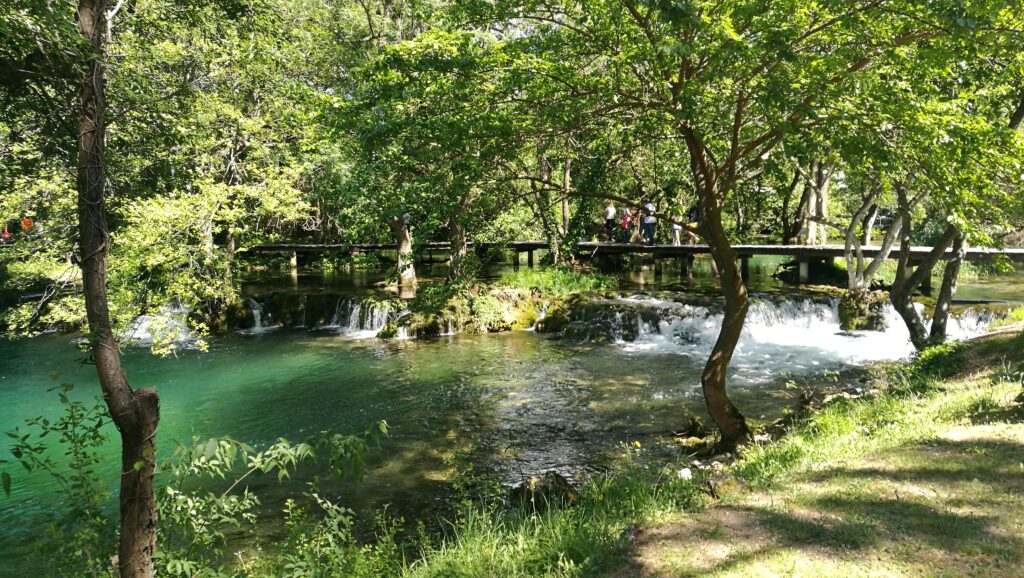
(640, 225)
(26, 227)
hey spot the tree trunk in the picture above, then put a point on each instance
(799, 227)
(134, 413)
(542, 198)
(728, 418)
(1018, 115)
(785, 222)
(405, 267)
(459, 243)
(940, 319)
(566, 185)
(903, 287)
(822, 185)
(868, 224)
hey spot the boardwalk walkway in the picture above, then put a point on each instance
(803, 253)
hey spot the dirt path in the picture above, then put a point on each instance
(952, 506)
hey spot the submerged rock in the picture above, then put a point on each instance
(540, 491)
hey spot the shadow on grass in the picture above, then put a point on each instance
(956, 498)
(984, 413)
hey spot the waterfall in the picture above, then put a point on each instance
(168, 325)
(258, 326)
(794, 332)
(361, 319)
(257, 314)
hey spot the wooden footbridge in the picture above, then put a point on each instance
(804, 254)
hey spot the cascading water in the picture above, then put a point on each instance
(169, 325)
(362, 319)
(258, 314)
(798, 335)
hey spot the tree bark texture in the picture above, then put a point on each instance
(134, 413)
(903, 287)
(940, 319)
(730, 421)
(566, 186)
(542, 197)
(405, 267)
(459, 241)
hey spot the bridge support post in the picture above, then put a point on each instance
(684, 266)
(658, 270)
(294, 260)
(529, 258)
(745, 268)
(805, 271)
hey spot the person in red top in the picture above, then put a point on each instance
(627, 223)
(26, 223)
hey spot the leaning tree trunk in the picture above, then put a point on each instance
(940, 319)
(903, 287)
(727, 417)
(134, 413)
(406, 268)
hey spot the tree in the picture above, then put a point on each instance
(136, 413)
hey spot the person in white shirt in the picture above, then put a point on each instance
(649, 222)
(677, 229)
(609, 221)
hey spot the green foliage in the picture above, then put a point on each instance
(79, 541)
(940, 361)
(488, 313)
(557, 281)
(1014, 316)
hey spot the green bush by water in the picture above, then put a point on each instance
(557, 281)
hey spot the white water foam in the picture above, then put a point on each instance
(258, 327)
(361, 319)
(169, 325)
(798, 335)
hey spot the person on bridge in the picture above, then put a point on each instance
(609, 221)
(627, 224)
(676, 228)
(650, 222)
(692, 221)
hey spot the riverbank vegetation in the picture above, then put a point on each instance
(193, 136)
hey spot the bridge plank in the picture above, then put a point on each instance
(595, 247)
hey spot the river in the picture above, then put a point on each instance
(512, 404)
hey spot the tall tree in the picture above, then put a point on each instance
(136, 413)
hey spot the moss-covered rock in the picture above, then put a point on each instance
(863, 310)
(390, 331)
(555, 321)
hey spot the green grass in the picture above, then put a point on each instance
(586, 539)
(557, 282)
(923, 479)
(919, 402)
